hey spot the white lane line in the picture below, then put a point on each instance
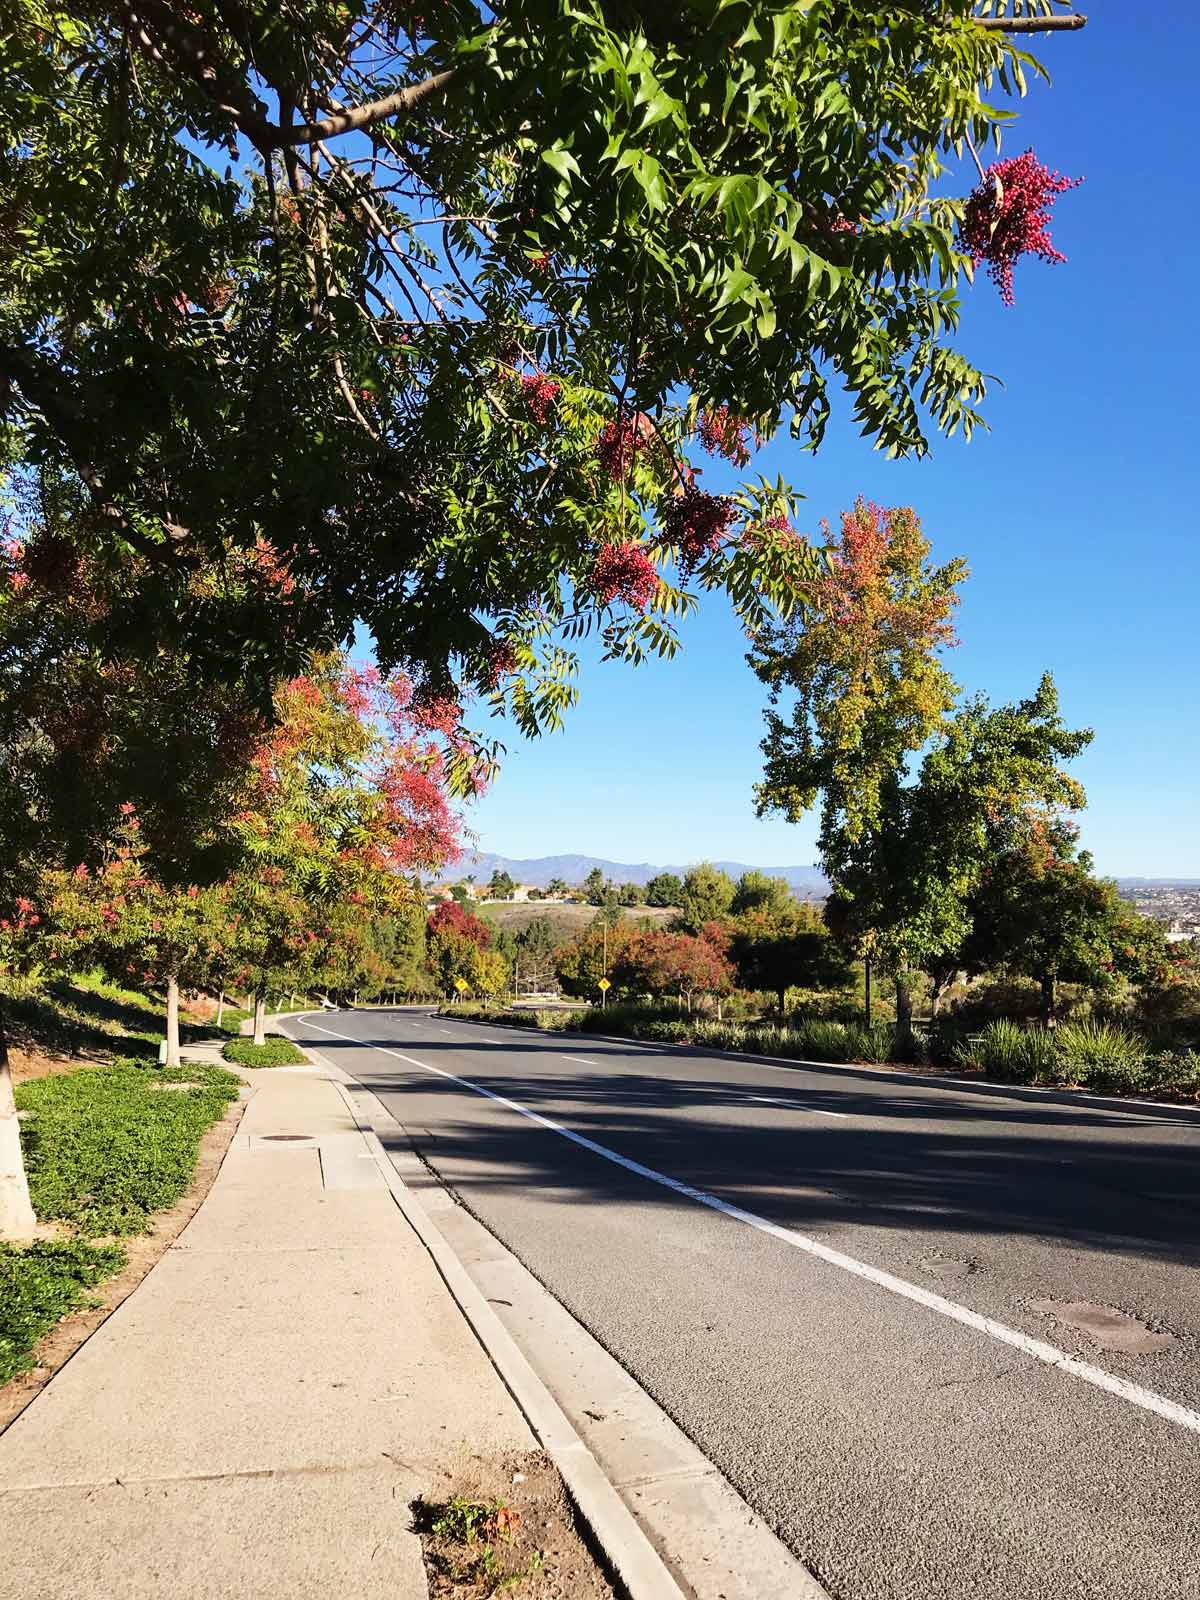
(794, 1105)
(1133, 1393)
(584, 1059)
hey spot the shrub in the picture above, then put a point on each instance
(1014, 1054)
(1101, 1055)
(277, 1052)
(1176, 1071)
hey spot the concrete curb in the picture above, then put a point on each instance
(1155, 1109)
(633, 1560)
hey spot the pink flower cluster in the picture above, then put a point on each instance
(539, 394)
(620, 441)
(1008, 215)
(624, 572)
(696, 522)
(723, 434)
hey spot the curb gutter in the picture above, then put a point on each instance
(632, 1558)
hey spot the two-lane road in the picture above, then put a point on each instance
(861, 1297)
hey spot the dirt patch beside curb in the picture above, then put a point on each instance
(505, 1525)
(143, 1251)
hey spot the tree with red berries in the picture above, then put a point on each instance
(319, 318)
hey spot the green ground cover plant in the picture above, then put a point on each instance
(277, 1052)
(107, 1146)
(39, 1284)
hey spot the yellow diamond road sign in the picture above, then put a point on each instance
(605, 986)
(461, 985)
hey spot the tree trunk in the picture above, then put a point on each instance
(220, 1007)
(904, 1007)
(867, 991)
(17, 1219)
(260, 1017)
(782, 1005)
(172, 1023)
(1049, 998)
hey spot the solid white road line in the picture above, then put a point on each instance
(584, 1059)
(1133, 1393)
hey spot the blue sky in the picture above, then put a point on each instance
(1077, 514)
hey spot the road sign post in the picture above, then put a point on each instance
(604, 987)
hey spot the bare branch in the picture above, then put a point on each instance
(1068, 24)
(268, 137)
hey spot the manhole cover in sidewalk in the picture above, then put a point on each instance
(303, 1138)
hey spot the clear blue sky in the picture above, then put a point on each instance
(1077, 514)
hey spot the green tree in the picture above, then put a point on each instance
(707, 897)
(864, 667)
(631, 894)
(1040, 912)
(992, 781)
(757, 891)
(501, 885)
(536, 946)
(557, 886)
(437, 271)
(664, 889)
(781, 949)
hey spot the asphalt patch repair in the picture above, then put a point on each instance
(1111, 1330)
(505, 1525)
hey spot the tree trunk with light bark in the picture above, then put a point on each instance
(260, 1017)
(17, 1217)
(172, 1058)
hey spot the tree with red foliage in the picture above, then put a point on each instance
(660, 962)
(452, 918)
(348, 801)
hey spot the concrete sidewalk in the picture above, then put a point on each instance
(256, 1418)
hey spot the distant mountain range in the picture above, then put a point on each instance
(808, 883)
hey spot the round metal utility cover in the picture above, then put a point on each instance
(304, 1138)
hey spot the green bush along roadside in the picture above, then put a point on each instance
(1100, 1056)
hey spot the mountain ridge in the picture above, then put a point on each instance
(806, 881)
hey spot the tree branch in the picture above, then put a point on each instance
(267, 136)
(1067, 24)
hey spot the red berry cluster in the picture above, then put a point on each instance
(53, 564)
(501, 662)
(539, 394)
(624, 572)
(620, 441)
(696, 523)
(723, 434)
(1008, 216)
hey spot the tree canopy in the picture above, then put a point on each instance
(312, 317)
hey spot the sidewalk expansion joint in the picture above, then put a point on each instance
(328, 1470)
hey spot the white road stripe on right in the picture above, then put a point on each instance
(1132, 1393)
(584, 1059)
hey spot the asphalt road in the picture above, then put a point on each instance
(843, 1289)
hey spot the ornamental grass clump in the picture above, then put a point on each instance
(1100, 1055)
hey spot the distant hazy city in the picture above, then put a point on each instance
(1173, 902)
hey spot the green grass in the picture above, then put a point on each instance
(107, 1146)
(277, 1052)
(41, 1283)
